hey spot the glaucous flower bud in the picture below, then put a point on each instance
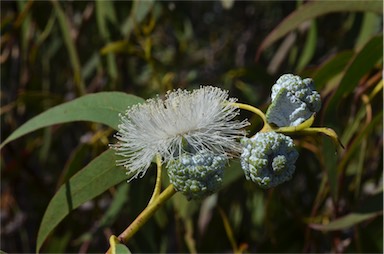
(268, 158)
(294, 100)
(197, 175)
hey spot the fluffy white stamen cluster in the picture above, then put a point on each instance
(201, 120)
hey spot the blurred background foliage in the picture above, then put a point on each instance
(53, 52)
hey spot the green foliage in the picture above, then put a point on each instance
(94, 179)
(100, 108)
(62, 62)
(313, 10)
(364, 61)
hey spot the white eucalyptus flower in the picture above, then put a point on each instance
(198, 121)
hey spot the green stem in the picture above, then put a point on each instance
(113, 241)
(252, 109)
(304, 125)
(156, 191)
(257, 111)
(146, 214)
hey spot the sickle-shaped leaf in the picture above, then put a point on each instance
(333, 66)
(370, 208)
(95, 178)
(101, 107)
(346, 221)
(312, 10)
(364, 61)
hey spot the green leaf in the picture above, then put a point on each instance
(98, 176)
(139, 11)
(25, 10)
(345, 222)
(59, 243)
(363, 62)
(74, 163)
(330, 161)
(369, 208)
(333, 66)
(309, 48)
(312, 10)
(117, 247)
(365, 131)
(370, 26)
(72, 52)
(105, 14)
(101, 107)
(119, 200)
(122, 249)
(117, 204)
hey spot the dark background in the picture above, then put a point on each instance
(182, 45)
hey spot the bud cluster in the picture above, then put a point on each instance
(268, 158)
(294, 100)
(197, 175)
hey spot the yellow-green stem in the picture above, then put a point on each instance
(156, 191)
(113, 241)
(293, 129)
(146, 214)
(257, 111)
(252, 109)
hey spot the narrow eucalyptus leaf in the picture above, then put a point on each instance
(101, 107)
(345, 222)
(95, 178)
(314, 9)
